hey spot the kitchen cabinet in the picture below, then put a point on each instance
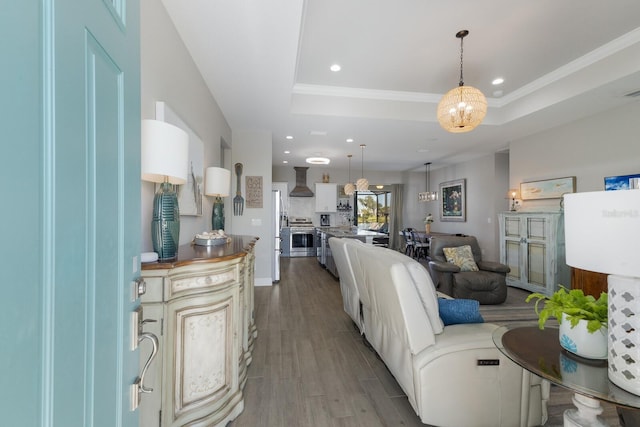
(201, 309)
(532, 245)
(326, 197)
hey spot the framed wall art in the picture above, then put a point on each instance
(621, 182)
(253, 184)
(453, 201)
(548, 188)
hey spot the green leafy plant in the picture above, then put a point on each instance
(575, 304)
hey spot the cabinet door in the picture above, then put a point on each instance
(202, 354)
(512, 252)
(536, 235)
(326, 197)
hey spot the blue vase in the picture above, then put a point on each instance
(165, 224)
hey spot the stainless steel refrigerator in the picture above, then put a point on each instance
(276, 202)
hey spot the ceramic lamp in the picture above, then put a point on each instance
(164, 157)
(217, 184)
(601, 235)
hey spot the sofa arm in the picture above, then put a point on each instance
(444, 267)
(496, 267)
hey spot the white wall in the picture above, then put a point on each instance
(253, 150)
(169, 74)
(486, 185)
(589, 149)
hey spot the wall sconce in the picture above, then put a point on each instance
(513, 194)
(164, 157)
(217, 184)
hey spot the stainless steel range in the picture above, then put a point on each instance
(301, 242)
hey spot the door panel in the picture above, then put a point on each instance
(75, 160)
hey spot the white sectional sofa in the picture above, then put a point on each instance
(453, 376)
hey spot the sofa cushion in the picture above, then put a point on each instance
(456, 311)
(462, 257)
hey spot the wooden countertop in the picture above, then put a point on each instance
(190, 253)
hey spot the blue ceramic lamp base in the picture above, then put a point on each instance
(165, 224)
(217, 216)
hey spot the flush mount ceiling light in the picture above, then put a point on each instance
(335, 68)
(362, 184)
(349, 188)
(462, 108)
(318, 160)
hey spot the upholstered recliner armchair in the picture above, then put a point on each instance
(486, 285)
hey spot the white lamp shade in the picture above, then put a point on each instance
(165, 152)
(217, 182)
(362, 184)
(602, 231)
(349, 189)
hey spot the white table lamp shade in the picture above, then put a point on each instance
(602, 234)
(602, 231)
(217, 182)
(165, 152)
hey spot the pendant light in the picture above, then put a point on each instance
(428, 196)
(362, 184)
(463, 108)
(349, 188)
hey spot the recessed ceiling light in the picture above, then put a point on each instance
(318, 160)
(288, 137)
(497, 81)
(349, 139)
(285, 161)
(335, 68)
(287, 152)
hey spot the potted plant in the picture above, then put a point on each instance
(427, 223)
(582, 319)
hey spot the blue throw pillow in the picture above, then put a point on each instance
(455, 311)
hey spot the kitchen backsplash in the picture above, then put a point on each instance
(306, 207)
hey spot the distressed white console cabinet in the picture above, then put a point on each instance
(200, 307)
(532, 245)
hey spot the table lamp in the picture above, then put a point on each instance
(513, 194)
(165, 154)
(602, 234)
(217, 184)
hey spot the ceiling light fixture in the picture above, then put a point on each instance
(497, 81)
(462, 108)
(428, 196)
(318, 160)
(288, 137)
(349, 188)
(362, 184)
(335, 68)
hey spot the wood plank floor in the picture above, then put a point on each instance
(311, 368)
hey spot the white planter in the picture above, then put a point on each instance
(579, 341)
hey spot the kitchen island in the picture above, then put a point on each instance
(324, 251)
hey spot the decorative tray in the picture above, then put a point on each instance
(213, 238)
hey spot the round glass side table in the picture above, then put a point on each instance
(538, 351)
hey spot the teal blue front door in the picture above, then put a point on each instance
(70, 108)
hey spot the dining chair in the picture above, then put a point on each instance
(409, 244)
(420, 246)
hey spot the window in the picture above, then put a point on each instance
(372, 209)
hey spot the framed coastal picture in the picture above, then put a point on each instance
(622, 182)
(453, 201)
(548, 188)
